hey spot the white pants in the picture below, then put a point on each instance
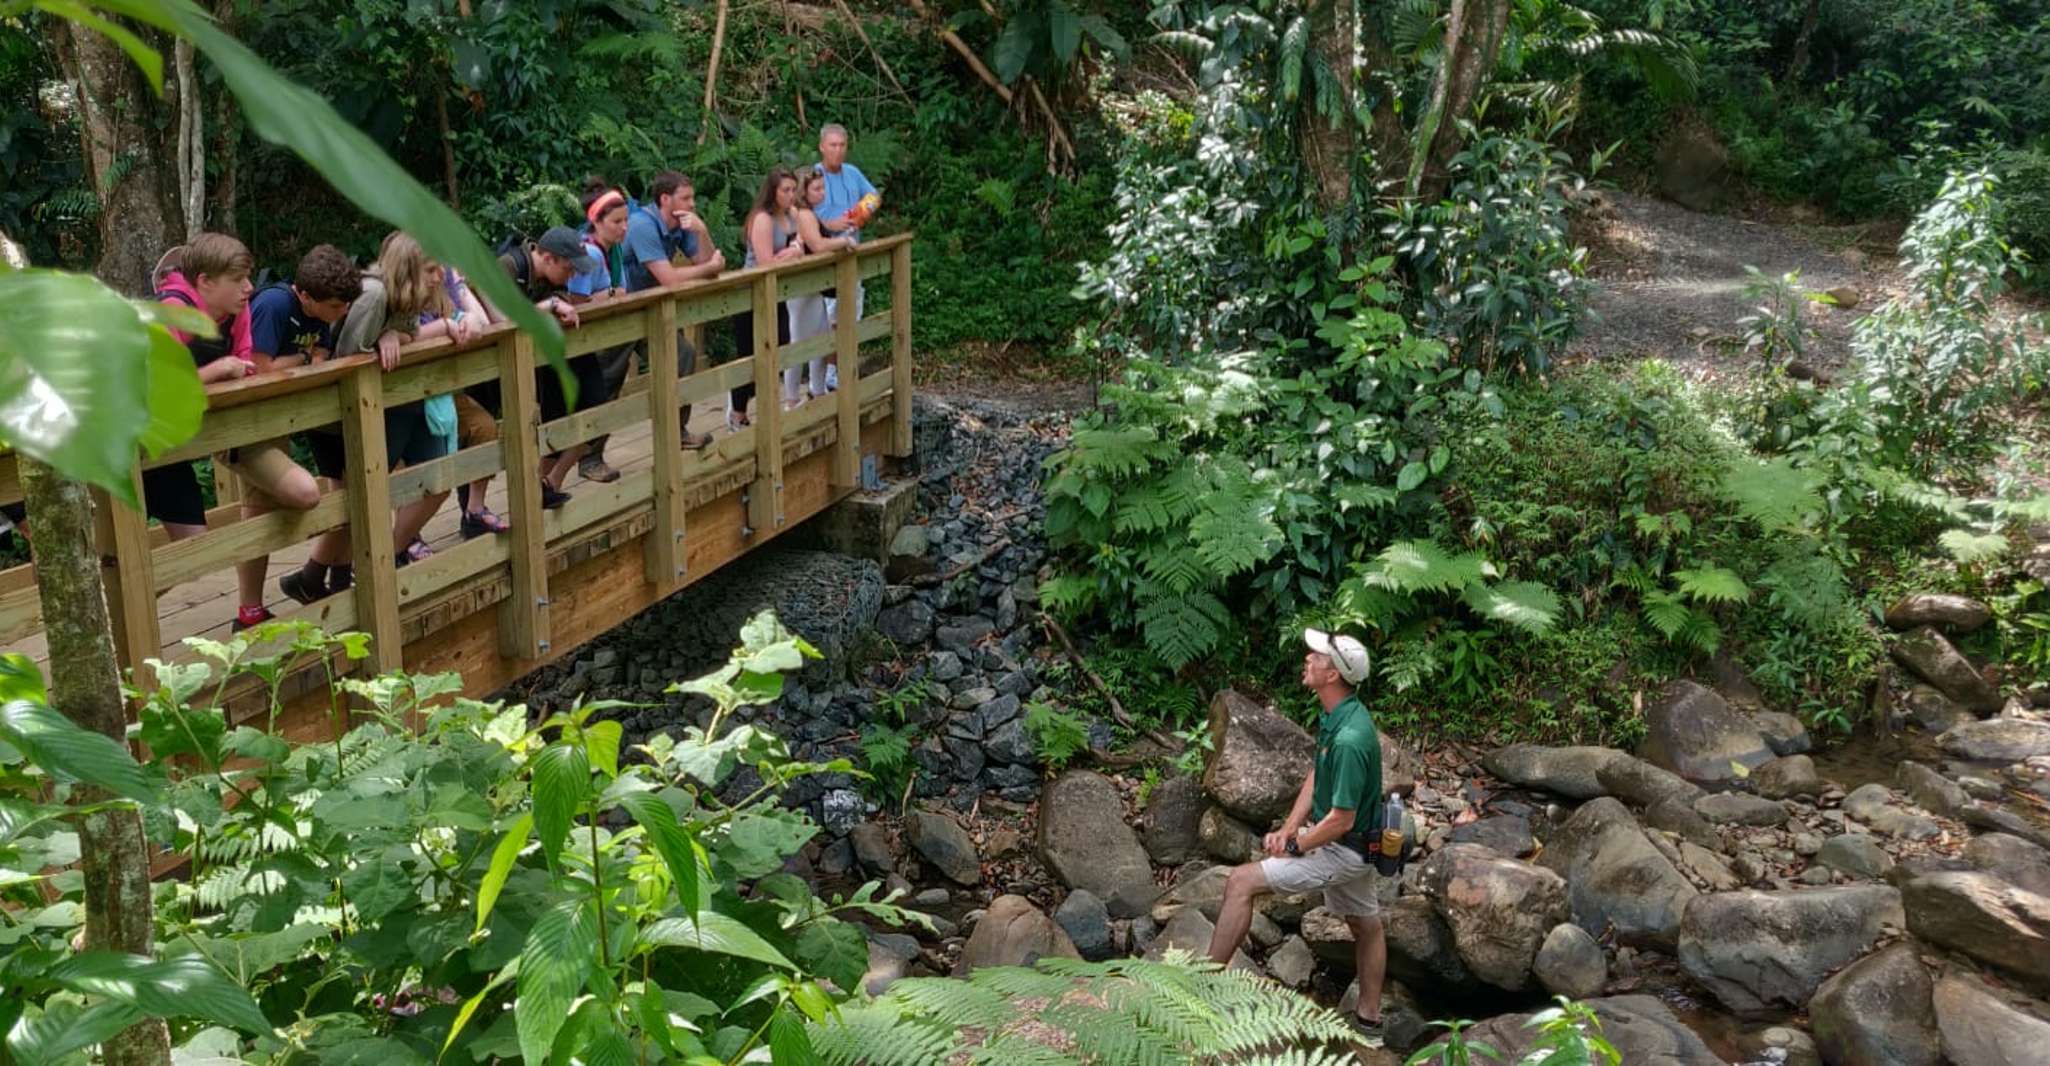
(808, 318)
(833, 305)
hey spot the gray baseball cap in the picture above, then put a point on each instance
(563, 242)
(1347, 655)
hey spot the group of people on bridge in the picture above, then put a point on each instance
(331, 308)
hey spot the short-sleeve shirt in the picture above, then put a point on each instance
(843, 191)
(279, 325)
(1348, 763)
(610, 273)
(649, 241)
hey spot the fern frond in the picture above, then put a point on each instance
(1422, 566)
(1117, 451)
(1183, 628)
(1175, 567)
(1526, 605)
(1234, 534)
(1712, 584)
(1068, 594)
(1775, 493)
(1972, 548)
(1666, 613)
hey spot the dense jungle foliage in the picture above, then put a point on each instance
(1324, 260)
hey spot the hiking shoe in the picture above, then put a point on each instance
(832, 376)
(1365, 1033)
(697, 441)
(595, 468)
(296, 585)
(552, 497)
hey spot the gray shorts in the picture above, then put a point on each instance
(1348, 882)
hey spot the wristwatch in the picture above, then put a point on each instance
(1292, 847)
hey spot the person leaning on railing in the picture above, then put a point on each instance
(211, 276)
(667, 243)
(542, 269)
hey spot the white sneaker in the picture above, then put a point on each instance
(832, 377)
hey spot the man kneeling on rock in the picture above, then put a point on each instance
(1323, 843)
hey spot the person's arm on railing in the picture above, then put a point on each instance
(815, 239)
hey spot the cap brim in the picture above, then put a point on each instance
(1317, 640)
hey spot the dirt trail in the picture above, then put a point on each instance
(1669, 281)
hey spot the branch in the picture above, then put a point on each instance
(863, 34)
(942, 577)
(712, 69)
(1117, 710)
(960, 47)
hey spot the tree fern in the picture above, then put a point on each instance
(1422, 566)
(1067, 1012)
(1115, 450)
(1233, 535)
(1774, 493)
(1526, 605)
(1971, 548)
(1182, 628)
(1068, 594)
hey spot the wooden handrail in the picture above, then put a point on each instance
(513, 571)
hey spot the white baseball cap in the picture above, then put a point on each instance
(1349, 656)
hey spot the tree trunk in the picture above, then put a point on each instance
(191, 141)
(1385, 134)
(126, 145)
(85, 684)
(1798, 65)
(227, 138)
(1473, 45)
(1328, 142)
(712, 70)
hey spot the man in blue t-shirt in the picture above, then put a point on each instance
(656, 237)
(845, 186)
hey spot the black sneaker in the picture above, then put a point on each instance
(1365, 1033)
(294, 583)
(552, 497)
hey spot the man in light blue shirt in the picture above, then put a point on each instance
(845, 186)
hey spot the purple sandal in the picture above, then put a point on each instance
(480, 522)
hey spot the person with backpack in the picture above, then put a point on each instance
(542, 269)
(211, 275)
(293, 324)
(660, 231)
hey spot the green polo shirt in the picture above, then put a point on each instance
(1348, 763)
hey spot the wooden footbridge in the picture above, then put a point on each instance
(497, 607)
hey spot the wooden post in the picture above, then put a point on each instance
(227, 487)
(523, 618)
(131, 580)
(370, 515)
(665, 555)
(765, 497)
(900, 351)
(847, 450)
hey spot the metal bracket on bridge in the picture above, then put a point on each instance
(871, 474)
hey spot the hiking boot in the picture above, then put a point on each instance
(297, 585)
(595, 468)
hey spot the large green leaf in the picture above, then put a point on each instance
(1065, 26)
(834, 950)
(184, 987)
(85, 380)
(501, 866)
(61, 746)
(678, 851)
(64, 1028)
(285, 113)
(716, 933)
(558, 954)
(1015, 45)
(562, 782)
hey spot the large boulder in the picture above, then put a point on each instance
(1506, 834)
(1013, 932)
(1693, 167)
(1877, 1012)
(1570, 963)
(1086, 843)
(1875, 805)
(1787, 777)
(1190, 930)
(1855, 855)
(1258, 759)
(1929, 656)
(1570, 772)
(1421, 951)
(1225, 838)
(1642, 1029)
(1498, 909)
(1930, 790)
(2020, 863)
(941, 841)
(1691, 731)
(1642, 785)
(1761, 950)
(1783, 732)
(1172, 827)
(2003, 740)
(1398, 766)
(1933, 710)
(1978, 1029)
(1958, 614)
(1980, 915)
(1615, 878)
(1739, 808)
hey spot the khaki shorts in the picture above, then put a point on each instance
(1348, 882)
(474, 425)
(264, 465)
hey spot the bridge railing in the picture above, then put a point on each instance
(511, 572)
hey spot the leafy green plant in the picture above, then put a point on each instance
(1569, 1034)
(1455, 1049)
(1058, 735)
(1774, 329)
(1064, 1011)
